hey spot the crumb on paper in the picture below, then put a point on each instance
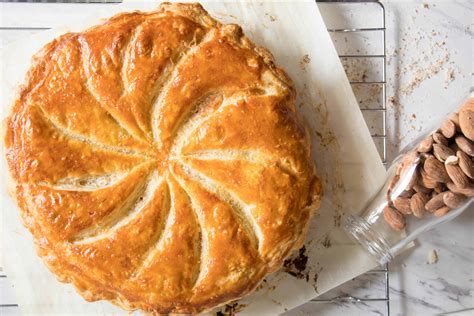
(413, 116)
(426, 6)
(315, 279)
(326, 241)
(271, 17)
(432, 257)
(306, 59)
(337, 220)
(231, 309)
(296, 265)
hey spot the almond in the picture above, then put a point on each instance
(440, 139)
(451, 160)
(394, 218)
(466, 164)
(453, 200)
(468, 191)
(439, 188)
(466, 119)
(403, 205)
(417, 204)
(448, 129)
(441, 211)
(465, 145)
(425, 145)
(407, 194)
(435, 169)
(457, 175)
(408, 168)
(391, 186)
(454, 117)
(420, 188)
(435, 203)
(442, 152)
(426, 181)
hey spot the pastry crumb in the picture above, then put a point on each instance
(326, 242)
(306, 59)
(271, 17)
(432, 257)
(449, 76)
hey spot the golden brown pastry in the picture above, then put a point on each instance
(158, 161)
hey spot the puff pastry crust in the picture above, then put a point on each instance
(158, 161)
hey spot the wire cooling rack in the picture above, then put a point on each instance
(373, 108)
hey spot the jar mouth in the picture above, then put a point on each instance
(360, 231)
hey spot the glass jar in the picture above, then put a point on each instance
(430, 182)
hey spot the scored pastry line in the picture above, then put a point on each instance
(250, 155)
(167, 82)
(197, 114)
(159, 242)
(122, 215)
(86, 183)
(204, 246)
(70, 134)
(125, 56)
(241, 210)
(124, 60)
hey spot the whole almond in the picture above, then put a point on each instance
(426, 180)
(420, 188)
(453, 200)
(466, 164)
(468, 191)
(417, 204)
(457, 175)
(454, 117)
(408, 168)
(407, 194)
(435, 169)
(448, 129)
(403, 205)
(394, 218)
(440, 139)
(441, 211)
(435, 202)
(442, 152)
(465, 145)
(393, 183)
(425, 145)
(466, 119)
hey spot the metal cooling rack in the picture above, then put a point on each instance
(378, 137)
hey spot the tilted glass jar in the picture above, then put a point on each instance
(430, 182)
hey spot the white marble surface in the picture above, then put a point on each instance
(415, 36)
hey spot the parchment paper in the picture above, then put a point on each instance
(345, 155)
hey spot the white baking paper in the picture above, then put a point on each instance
(345, 155)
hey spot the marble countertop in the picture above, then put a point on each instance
(429, 71)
